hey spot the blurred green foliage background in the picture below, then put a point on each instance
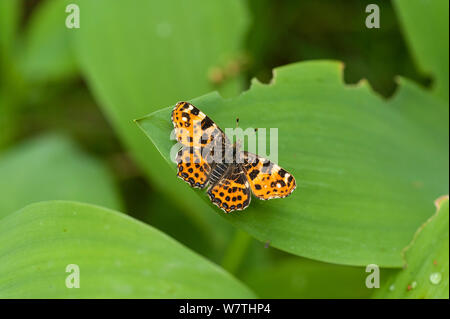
(66, 109)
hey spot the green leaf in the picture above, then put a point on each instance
(118, 257)
(7, 119)
(366, 171)
(425, 24)
(159, 52)
(52, 167)
(9, 22)
(425, 273)
(302, 278)
(46, 53)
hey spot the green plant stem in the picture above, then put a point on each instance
(236, 251)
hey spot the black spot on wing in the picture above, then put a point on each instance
(267, 167)
(186, 115)
(253, 174)
(204, 138)
(206, 123)
(195, 110)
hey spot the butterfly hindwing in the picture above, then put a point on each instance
(192, 167)
(232, 191)
(267, 180)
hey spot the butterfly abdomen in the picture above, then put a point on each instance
(217, 172)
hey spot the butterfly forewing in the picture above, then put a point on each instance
(192, 127)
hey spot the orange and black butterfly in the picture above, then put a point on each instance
(230, 183)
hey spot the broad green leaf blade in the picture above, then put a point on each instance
(366, 173)
(425, 274)
(52, 167)
(117, 256)
(425, 24)
(46, 53)
(306, 279)
(430, 115)
(159, 52)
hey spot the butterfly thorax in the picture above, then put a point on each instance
(228, 161)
